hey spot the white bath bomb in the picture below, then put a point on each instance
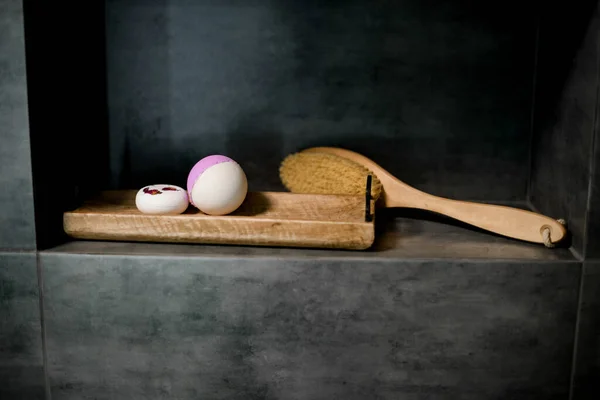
(162, 199)
(217, 185)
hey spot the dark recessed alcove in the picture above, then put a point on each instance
(453, 97)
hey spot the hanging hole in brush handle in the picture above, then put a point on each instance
(546, 233)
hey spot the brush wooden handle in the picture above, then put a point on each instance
(507, 221)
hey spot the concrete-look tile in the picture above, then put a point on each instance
(566, 105)
(21, 366)
(587, 363)
(447, 109)
(592, 247)
(17, 224)
(234, 328)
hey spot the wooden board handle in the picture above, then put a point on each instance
(507, 221)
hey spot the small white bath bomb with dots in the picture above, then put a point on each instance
(217, 185)
(162, 199)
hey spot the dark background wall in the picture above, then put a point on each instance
(439, 92)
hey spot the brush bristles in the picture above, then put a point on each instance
(321, 173)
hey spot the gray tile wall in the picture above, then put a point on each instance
(17, 225)
(195, 327)
(438, 92)
(592, 248)
(587, 366)
(21, 365)
(565, 113)
(21, 360)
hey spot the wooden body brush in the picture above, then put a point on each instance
(340, 171)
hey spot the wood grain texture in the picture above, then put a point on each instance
(507, 221)
(264, 219)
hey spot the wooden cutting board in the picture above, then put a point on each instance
(264, 219)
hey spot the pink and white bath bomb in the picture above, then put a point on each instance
(217, 185)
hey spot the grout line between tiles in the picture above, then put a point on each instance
(40, 276)
(574, 352)
(6, 250)
(532, 206)
(576, 254)
(310, 259)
